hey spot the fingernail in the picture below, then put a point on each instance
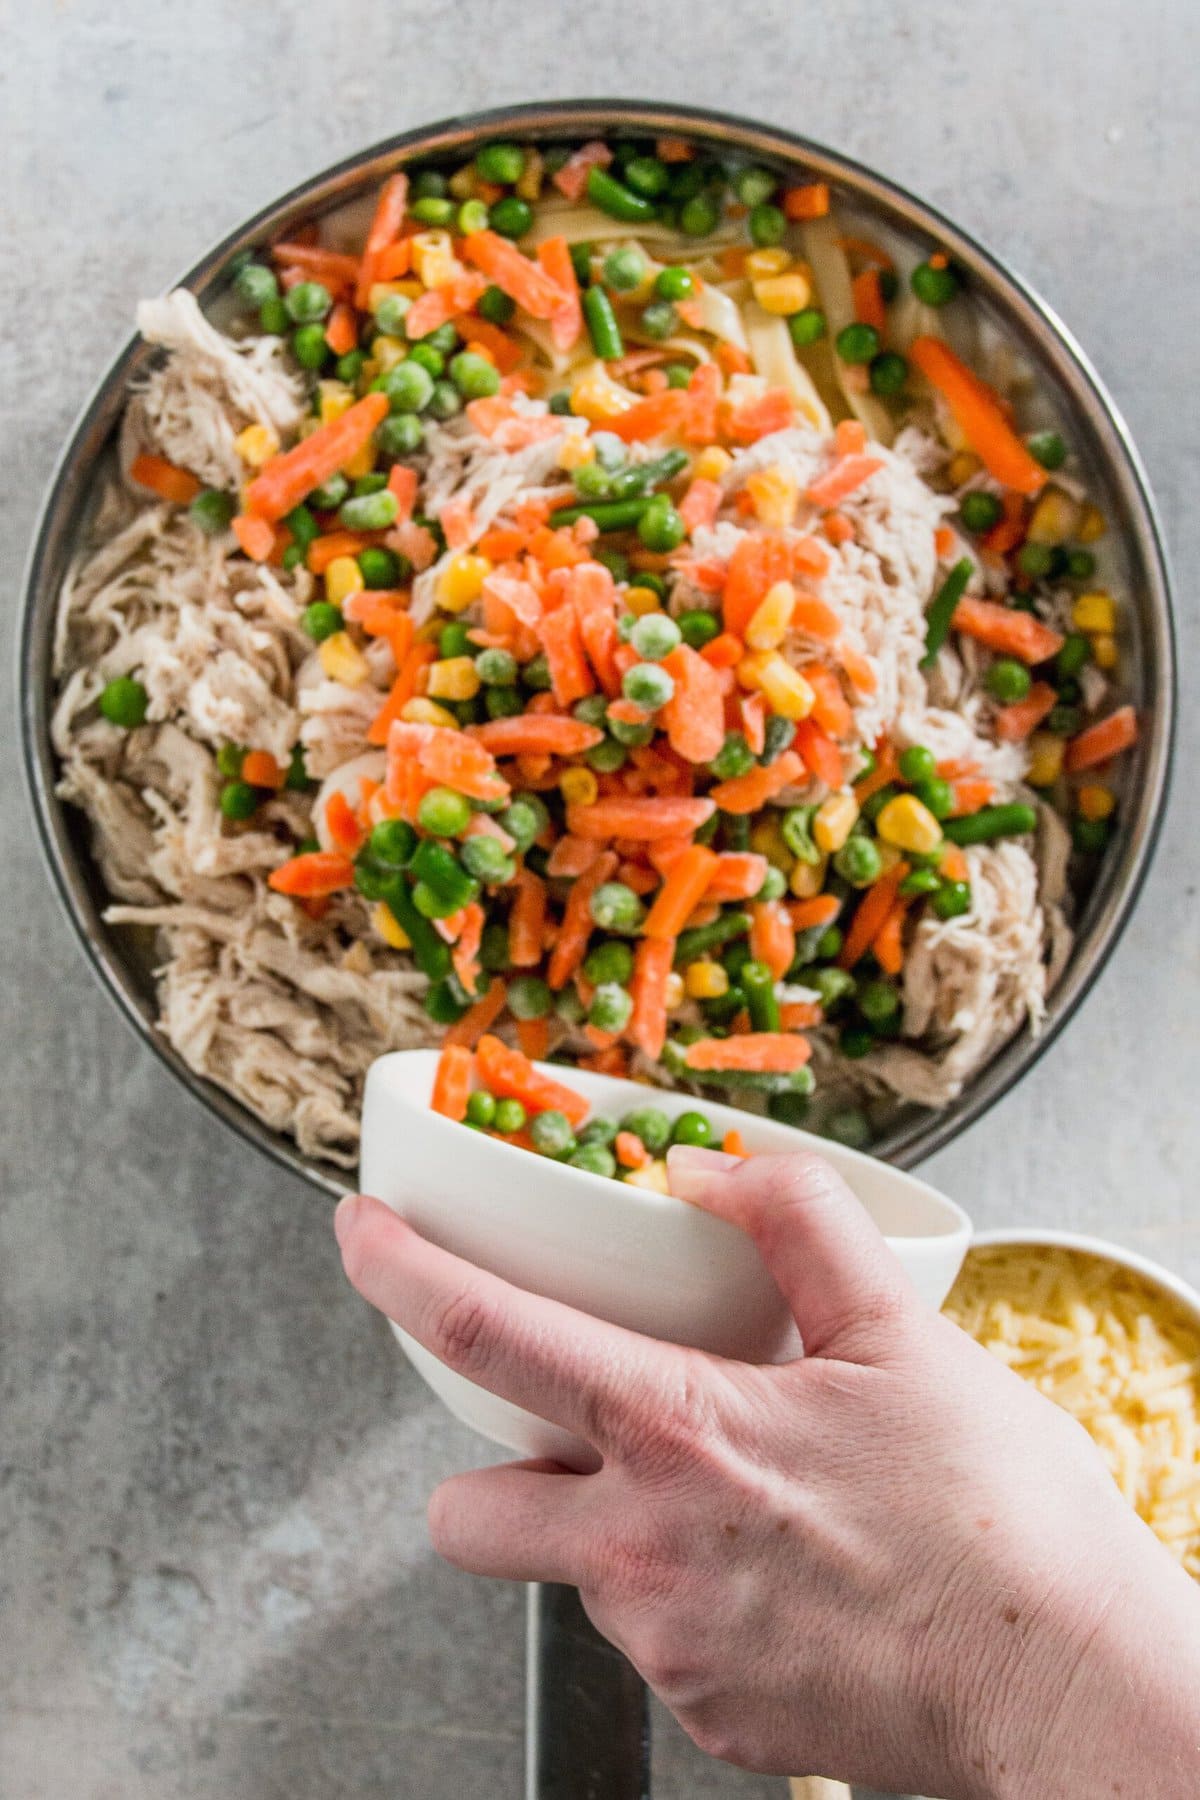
(344, 1216)
(690, 1170)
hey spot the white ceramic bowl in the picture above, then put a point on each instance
(1020, 1238)
(643, 1260)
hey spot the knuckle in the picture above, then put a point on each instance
(674, 1422)
(462, 1330)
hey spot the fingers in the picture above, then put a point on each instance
(827, 1256)
(581, 1373)
(520, 1522)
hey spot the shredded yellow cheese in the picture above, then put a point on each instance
(1112, 1349)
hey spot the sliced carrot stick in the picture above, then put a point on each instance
(317, 263)
(652, 964)
(533, 1035)
(513, 273)
(287, 479)
(682, 890)
(313, 875)
(747, 793)
(341, 329)
(402, 483)
(394, 261)
(831, 710)
(566, 323)
(694, 716)
(652, 417)
(536, 734)
(1100, 741)
(820, 754)
(504, 350)
(979, 417)
(870, 914)
(758, 1052)
(822, 909)
(577, 924)
(571, 856)
(731, 358)
(869, 308)
(402, 690)
(842, 479)
(888, 943)
(970, 793)
(613, 1061)
(815, 619)
(527, 920)
(255, 536)
(837, 528)
(594, 598)
(452, 759)
(1015, 722)
(482, 1016)
(739, 875)
(452, 1081)
(164, 479)
(754, 419)
(701, 504)
(630, 1151)
(809, 201)
(753, 709)
(647, 819)
(704, 394)
(380, 616)
(887, 767)
(954, 865)
(571, 676)
(772, 936)
(1008, 531)
(799, 1015)
(385, 229)
(324, 550)
(1006, 631)
(757, 563)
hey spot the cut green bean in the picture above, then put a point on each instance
(990, 822)
(758, 984)
(602, 325)
(941, 611)
(702, 938)
(610, 515)
(615, 199)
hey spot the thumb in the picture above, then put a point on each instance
(844, 1286)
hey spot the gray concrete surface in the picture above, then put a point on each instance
(214, 1579)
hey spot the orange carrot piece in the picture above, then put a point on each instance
(674, 150)
(694, 716)
(652, 964)
(536, 734)
(480, 1018)
(513, 273)
(870, 914)
(394, 261)
(816, 619)
(869, 308)
(402, 483)
(577, 924)
(255, 536)
(533, 1035)
(799, 1015)
(888, 943)
(261, 770)
(757, 563)
(772, 936)
(324, 550)
(760, 1052)
(401, 692)
(1015, 722)
(1108, 737)
(809, 201)
(850, 437)
(700, 504)
(318, 264)
(1008, 531)
(887, 767)
(754, 419)
(501, 543)
(341, 329)
(652, 417)
(527, 920)
(452, 1082)
(979, 417)
(822, 909)
(637, 877)
(571, 856)
(747, 793)
(570, 673)
(385, 229)
(820, 754)
(647, 819)
(504, 350)
(970, 794)
(1006, 631)
(630, 1151)
(732, 359)
(954, 865)
(943, 543)
(831, 711)
(739, 875)
(682, 890)
(452, 759)
(343, 827)
(164, 479)
(842, 479)
(313, 874)
(703, 395)
(566, 322)
(286, 479)
(734, 1144)
(594, 598)
(572, 178)
(837, 528)
(378, 614)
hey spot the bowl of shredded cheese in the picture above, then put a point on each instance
(1112, 1338)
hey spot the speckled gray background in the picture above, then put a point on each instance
(214, 1579)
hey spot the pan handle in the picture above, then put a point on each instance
(587, 1724)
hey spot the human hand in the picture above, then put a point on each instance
(889, 1560)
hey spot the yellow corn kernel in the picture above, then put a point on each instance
(389, 928)
(712, 463)
(705, 981)
(773, 493)
(807, 879)
(761, 264)
(343, 661)
(1092, 525)
(461, 581)
(642, 600)
(362, 462)
(673, 993)
(597, 397)
(771, 618)
(529, 182)
(786, 690)
(766, 839)
(889, 856)
(1045, 759)
(783, 294)
(256, 445)
(578, 787)
(1095, 801)
(334, 398)
(388, 351)
(462, 183)
(420, 711)
(1094, 612)
(343, 577)
(1104, 650)
(960, 468)
(651, 1175)
(833, 822)
(1054, 519)
(454, 678)
(575, 450)
(433, 258)
(909, 824)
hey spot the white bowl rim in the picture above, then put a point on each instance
(1018, 1237)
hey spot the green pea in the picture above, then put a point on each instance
(445, 401)
(675, 282)
(610, 962)
(630, 736)
(594, 1159)
(920, 881)
(1074, 655)
(659, 320)
(598, 1130)
(651, 1125)
(296, 780)
(624, 269)
(858, 861)
(552, 1134)
(952, 899)
(878, 800)
(1065, 720)
(511, 217)
(428, 184)
(767, 225)
(917, 763)
(330, 494)
(273, 316)
(832, 984)
(933, 287)
(581, 262)
(308, 302)
(369, 512)
(1081, 565)
(774, 885)
(678, 375)
(474, 376)
(1089, 836)
(381, 568)
(321, 619)
(856, 1041)
(648, 686)
(503, 163)
(392, 314)
(1048, 448)
(754, 186)
(692, 1128)
(698, 628)
(615, 907)
(392, 843)
(496, 667)
(239, 800)
(979, 510)
(616, 563)
(529, 997)
(525, 820)
(888, 372)
(445, 339)
(536, 673)
(878, 1002)
(610, 1008)
(829, 944)
(660, 527)
(857, 343)
(1008, 680)
(807, 326)
(212, 511)
(503, 702)
(481, 1108)
(123, 701)
(655, 635)
(443, 1002)
(443, 812)
(255, 284)
(427, 358)
(1035, 560)
(788, 1107)
(496, 306)
(698, 216)
(408, 386)
(229, 761)
(485, 860)
(646, 175)
(348, 368)
(309, 346)
(606, 757)
(510, 1116)
(433, 209)
(373, 482)
(493, 948)
(795, 828)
